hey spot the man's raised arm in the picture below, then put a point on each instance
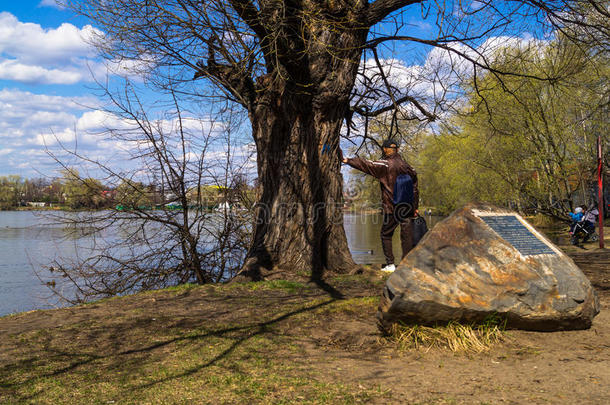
(376, 168)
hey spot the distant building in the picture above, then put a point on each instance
(36, 204)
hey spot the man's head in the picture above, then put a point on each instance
(390, 147)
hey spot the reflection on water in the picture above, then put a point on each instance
(29, 241)
(364, 237)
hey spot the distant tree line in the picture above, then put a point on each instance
(73, 191)
(16, 191)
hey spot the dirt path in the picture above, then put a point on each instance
(528, 368)
(284, 342)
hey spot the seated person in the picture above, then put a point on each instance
(576, 216)
(589, 219)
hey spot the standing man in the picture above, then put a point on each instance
(387, 169)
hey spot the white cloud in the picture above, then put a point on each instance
(51, 3)
(42, 119)
(21, 111)
(27, 119)
(50, 139)
(32, 43)
(25, 98)
(13, 70)
(95, 121)
(435, 82)
(30, 53)
(32, 124)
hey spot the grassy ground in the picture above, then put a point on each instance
(223, 344)
(287, 342)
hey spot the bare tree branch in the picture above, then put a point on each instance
(380, 9)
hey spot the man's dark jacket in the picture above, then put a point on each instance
(387, 170)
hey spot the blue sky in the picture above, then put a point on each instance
(47, 91)
(44, 73)
(46, 86)
(39, 34)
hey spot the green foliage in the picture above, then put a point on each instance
(133, 194)
(82, 192)
(16, 191)
(11, 190)
(207, 195)
(522, 142)
(455, 170)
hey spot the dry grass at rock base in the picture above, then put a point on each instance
(454, 336)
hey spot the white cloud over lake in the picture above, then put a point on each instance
(31, 125)
(13, 70)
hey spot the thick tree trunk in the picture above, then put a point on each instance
(296, 121)
(299, 218)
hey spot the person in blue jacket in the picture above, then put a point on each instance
(576, 216)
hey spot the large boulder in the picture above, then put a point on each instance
(484, 261)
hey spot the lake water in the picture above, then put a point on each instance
(28, 242)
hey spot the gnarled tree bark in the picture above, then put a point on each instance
(296, 117)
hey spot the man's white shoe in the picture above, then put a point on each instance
(389, 268)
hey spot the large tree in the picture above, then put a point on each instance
(293, 66)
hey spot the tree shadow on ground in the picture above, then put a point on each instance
(62, 362)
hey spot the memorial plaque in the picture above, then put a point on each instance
(511, 229)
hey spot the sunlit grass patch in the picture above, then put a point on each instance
(350, 306)
(454, 336)
(362, 279)
(182, 287)
(174, 290)
(285, 285)
(203, 366)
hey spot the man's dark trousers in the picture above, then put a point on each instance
(390, 222)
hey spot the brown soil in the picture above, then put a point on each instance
(334, 343)
(528, 368)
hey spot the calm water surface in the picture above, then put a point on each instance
(29, 241)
